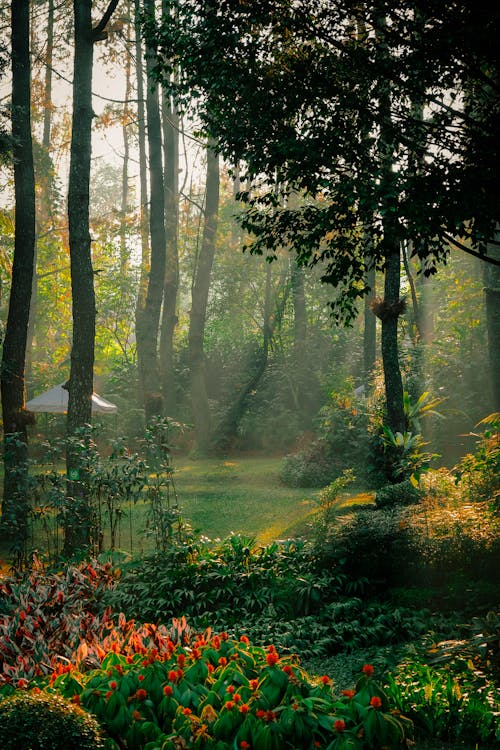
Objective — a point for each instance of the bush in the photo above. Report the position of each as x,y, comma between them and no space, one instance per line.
213,692
404,493
41,721
449,694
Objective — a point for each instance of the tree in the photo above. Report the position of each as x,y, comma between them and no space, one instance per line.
199,299
293,91
80,386
15,418
148,317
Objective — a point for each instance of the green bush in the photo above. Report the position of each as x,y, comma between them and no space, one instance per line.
404,493
453,699
215,693
478,474
41,721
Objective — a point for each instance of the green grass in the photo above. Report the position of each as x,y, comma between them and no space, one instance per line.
217,497
241,495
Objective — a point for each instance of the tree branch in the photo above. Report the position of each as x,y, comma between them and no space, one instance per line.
97,31
474,253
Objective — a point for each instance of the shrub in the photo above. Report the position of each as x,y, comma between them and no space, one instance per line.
44,616
404,493
478,474
41,721
454,699
212,691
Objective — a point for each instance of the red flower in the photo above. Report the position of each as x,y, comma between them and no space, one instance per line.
168,690
230,689
172,676
375,702
287,669
76,699
349,693
22,615
108,695
272,658
223,661
181,660
224,636
254,684
244,640
187,711
216,642
325,679
368,670
229,705
22,683
339,725
236,697
140,677
210,668
141,694
196,653
130,659
245,745
270,716
113,685
244,708
136,715
260,713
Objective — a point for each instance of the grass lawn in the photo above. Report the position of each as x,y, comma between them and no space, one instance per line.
243,494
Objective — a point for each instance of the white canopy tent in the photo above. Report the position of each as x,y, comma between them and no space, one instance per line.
55,401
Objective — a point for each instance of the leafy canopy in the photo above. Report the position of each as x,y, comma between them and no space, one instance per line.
297,92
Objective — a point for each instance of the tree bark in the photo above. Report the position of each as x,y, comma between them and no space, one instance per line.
390,348
299,337
143,167
14,506
80,385
171,176
492,299
148,317
199,301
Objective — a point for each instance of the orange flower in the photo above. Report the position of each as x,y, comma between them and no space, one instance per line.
339,725
254,684
236,697
272,658
325,679
181,660
230,689
168,690
349,693
244,640
375,702
244,708
76,699
187,711
229,705
223,661
141,694
287,669
172,676
136,715
368,670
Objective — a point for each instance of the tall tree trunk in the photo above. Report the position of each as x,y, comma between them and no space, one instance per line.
143,167
391,310
44,210
301,366
14,506
171,176
124,255
492,294
80,386
199,300
148,317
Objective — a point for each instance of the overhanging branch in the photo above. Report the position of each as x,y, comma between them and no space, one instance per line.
469,251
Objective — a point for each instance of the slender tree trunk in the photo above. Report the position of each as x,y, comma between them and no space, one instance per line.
199,301
301,365
390,347
492,295
44,210
169,313
148,317
14,506
80,386
124,255
143,167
